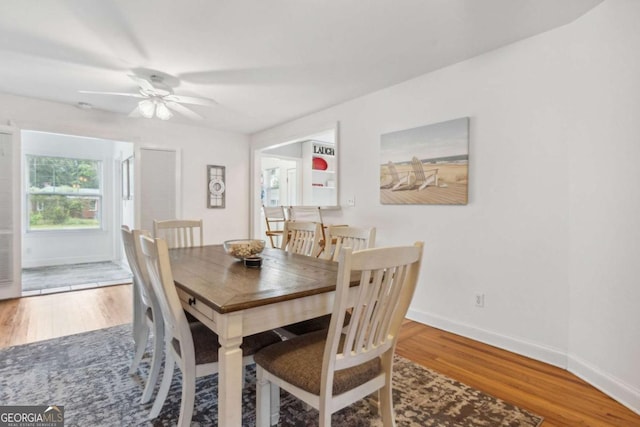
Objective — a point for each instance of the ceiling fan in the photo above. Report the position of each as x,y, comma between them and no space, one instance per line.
157,98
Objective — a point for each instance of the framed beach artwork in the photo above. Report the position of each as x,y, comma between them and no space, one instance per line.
426,165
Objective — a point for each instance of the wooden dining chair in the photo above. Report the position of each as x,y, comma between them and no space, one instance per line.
301,237
330,370
344,236
192,346
309,214
274,217
179,233
149,316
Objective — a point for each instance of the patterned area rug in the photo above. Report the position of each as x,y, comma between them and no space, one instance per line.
87,374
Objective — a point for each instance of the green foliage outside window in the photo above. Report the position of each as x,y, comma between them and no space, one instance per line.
63,193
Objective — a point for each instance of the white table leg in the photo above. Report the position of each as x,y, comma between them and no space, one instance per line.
231,370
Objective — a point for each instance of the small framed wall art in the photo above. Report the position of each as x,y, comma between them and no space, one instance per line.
216,186
127,179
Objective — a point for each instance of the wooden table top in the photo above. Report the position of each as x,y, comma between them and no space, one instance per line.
223,283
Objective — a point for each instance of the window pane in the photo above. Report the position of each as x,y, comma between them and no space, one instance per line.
63,193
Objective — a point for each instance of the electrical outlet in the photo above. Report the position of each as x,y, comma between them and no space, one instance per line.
351,201
479,300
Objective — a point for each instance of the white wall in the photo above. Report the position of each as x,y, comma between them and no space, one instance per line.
550,232
603,82
198,147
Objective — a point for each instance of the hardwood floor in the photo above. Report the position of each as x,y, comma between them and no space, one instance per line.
40,317
560,397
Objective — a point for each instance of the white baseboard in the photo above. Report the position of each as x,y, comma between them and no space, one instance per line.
611,386
535,351
624,393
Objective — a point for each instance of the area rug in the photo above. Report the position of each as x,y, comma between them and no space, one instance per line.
87,374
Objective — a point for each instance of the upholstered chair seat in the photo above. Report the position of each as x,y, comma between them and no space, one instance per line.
205,343
298,361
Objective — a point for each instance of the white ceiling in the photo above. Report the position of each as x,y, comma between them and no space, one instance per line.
265,61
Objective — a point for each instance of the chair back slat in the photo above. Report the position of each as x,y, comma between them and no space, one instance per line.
387,281
302,238
133,252
156,256
179,233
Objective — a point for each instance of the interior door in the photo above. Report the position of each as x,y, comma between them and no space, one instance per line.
10,254
157,193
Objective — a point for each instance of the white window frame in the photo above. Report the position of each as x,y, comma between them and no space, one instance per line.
99,196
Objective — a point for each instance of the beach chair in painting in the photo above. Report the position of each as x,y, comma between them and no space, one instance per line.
397,181
423,177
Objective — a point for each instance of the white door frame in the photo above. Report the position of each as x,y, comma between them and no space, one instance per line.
14,288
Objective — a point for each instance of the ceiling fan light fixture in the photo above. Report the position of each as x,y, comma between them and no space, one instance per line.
163,112
147,108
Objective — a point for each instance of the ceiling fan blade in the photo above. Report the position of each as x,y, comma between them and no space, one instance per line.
191,100
135,113
143,83
95,92
183,110
109,22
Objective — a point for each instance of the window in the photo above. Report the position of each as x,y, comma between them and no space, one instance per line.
64,193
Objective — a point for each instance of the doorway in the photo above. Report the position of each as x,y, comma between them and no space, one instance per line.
312,182
71,212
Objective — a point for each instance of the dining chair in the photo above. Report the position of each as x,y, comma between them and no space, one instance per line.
309,214
301,237
305,213
331,369
355,238
275,217
191,346
179,233
147,314
341,236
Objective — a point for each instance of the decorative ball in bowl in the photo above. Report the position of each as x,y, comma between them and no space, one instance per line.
244,248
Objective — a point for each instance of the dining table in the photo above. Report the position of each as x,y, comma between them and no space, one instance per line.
235,301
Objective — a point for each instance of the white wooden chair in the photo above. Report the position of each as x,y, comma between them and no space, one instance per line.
302,237
329,371
179,233
274,217
192,346
309,214
423,177
345,236
148,316
397,181
342,236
